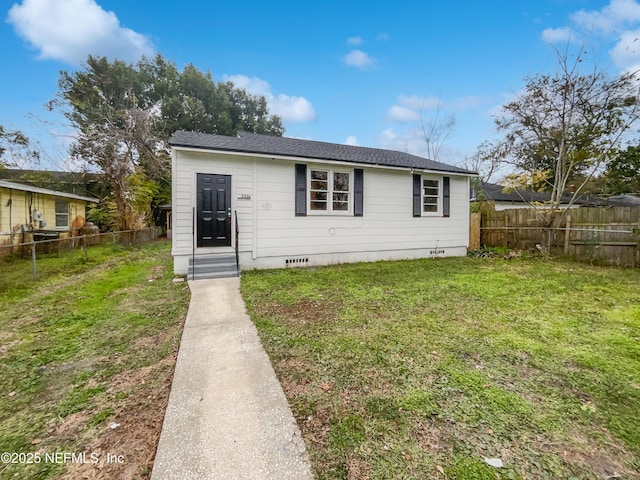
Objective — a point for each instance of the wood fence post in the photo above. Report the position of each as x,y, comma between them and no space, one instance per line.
506,229
567,234
33,258
474,232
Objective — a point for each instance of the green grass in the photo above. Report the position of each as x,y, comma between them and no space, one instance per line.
16,277
421,369
72,337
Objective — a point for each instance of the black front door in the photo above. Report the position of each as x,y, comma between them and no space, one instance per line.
214,210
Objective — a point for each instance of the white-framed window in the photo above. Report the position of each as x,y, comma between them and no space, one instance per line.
330,191
431,196
62,214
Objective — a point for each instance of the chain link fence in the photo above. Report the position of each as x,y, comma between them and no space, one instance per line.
43,248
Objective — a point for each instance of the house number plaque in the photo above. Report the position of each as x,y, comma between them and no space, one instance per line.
244,196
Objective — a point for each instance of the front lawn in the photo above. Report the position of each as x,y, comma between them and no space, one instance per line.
424,369
87,354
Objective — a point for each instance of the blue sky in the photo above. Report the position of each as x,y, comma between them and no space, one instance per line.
345,71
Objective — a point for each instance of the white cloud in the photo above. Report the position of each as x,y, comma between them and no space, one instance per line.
355,41
359,59
553,35
619,21
382,37
419,103
617,15
409,108
626,53
400,113
70,30
408,141
412,141
352,140
289,108
253,85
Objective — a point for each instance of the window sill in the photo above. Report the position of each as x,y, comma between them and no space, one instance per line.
329,214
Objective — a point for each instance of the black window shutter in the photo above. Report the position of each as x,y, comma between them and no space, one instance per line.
301,190
446,197
417,195
358,192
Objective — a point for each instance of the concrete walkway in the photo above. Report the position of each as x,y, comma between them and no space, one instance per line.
227,416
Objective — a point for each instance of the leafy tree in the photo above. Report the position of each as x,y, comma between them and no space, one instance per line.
535,181
623,172
115,127
15,148
125,113
568,125
192,100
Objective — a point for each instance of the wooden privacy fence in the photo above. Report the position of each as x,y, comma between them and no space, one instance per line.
608,235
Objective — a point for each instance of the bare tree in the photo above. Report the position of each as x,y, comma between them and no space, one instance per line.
436,130
486,161
569,125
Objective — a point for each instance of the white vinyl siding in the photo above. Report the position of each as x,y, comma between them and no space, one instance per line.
184,195
388,224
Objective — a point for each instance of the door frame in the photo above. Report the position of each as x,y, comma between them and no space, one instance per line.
196,232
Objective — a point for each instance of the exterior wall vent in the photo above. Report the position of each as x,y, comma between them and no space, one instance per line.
296,262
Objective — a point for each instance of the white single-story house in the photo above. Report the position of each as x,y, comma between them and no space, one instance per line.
287,202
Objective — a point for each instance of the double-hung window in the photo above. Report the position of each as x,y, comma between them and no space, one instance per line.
431,195
330,191
62,214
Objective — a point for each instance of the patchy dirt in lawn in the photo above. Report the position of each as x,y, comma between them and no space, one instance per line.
357,469
428,436
130,436
307,310
583,453
293,375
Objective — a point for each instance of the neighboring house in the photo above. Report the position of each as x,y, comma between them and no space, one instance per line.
503,200
302,203
28,213
496,195
79,183
622,200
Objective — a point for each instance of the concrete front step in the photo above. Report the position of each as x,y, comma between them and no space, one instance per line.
211,275
212,259
212,266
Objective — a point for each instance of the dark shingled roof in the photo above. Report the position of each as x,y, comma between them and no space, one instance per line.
293,147
496,193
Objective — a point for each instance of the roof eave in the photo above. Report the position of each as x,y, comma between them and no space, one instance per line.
45,191
318,158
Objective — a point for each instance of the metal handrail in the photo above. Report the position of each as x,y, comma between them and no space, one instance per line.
193,243
235,212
